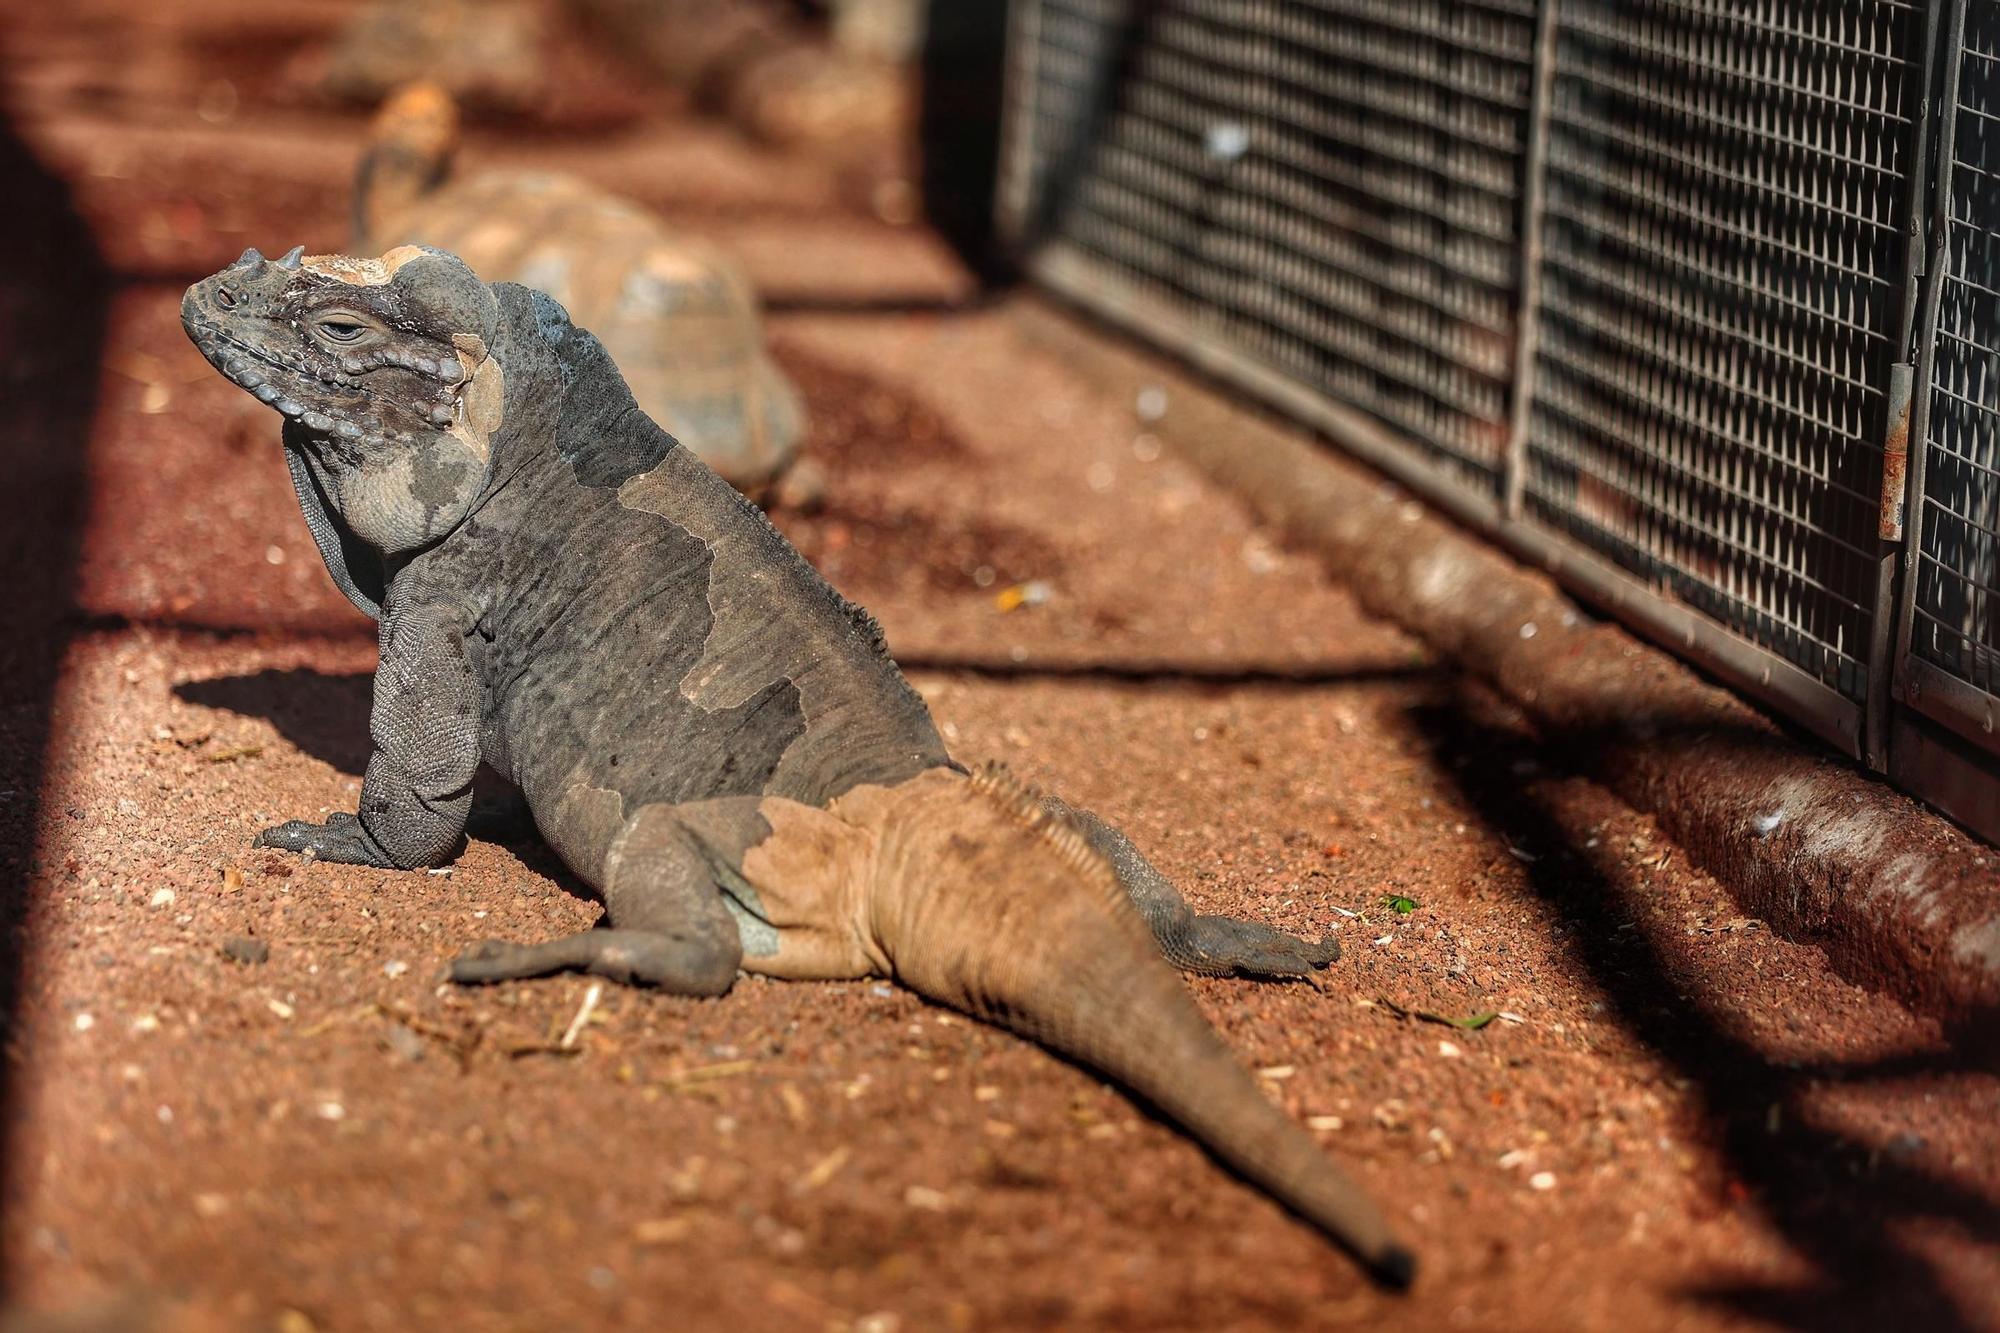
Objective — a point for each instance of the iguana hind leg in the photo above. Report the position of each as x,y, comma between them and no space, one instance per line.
1208,945
632,957
669,927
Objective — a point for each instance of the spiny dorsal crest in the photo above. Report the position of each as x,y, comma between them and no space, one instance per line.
1022,804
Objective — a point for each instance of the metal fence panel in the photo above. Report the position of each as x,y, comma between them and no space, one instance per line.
1331,188
1629,284
1955,596
1721,286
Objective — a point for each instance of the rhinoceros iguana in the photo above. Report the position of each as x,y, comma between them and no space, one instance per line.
704,730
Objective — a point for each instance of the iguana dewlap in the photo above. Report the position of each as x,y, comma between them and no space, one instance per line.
703,729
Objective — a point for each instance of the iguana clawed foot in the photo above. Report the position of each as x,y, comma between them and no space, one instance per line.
341,838
683,965
1227,946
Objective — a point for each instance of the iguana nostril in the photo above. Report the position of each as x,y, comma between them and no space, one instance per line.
225,298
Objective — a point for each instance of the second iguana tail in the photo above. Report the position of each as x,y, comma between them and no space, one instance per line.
985,901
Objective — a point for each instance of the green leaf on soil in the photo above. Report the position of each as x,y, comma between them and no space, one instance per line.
1399,904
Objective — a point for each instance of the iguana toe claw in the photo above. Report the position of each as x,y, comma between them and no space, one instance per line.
489,961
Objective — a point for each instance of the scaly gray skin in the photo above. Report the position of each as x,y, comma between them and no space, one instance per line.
703,729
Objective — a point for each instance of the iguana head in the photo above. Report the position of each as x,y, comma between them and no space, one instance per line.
382,369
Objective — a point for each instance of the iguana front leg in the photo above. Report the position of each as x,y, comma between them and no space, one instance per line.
1206,945
425,724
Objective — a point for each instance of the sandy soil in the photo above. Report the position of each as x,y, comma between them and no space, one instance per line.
1679,1121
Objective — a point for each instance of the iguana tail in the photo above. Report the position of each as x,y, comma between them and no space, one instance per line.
410,146
986,902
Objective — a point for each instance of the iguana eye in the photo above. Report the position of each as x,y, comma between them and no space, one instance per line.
345,328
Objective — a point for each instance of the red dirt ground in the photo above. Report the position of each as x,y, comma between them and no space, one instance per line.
1683,1122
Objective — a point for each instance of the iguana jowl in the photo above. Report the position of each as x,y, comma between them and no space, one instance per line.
704,730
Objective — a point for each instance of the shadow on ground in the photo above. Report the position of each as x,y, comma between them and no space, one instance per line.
1843,1205
325,714
54,295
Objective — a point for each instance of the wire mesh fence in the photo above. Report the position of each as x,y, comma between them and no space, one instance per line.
1653,281
1955,602
1331,188
1722,280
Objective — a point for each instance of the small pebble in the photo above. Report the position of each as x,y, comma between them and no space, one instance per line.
395,967
1905,1145
1449,1050
663,1231
160,898
84,1022
403,1043
1542,1180
245,949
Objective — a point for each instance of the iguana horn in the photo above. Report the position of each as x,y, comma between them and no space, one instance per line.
292,257
250,258
1035,933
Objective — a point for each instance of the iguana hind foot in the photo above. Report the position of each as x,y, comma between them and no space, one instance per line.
682,965
1223,946
1216,946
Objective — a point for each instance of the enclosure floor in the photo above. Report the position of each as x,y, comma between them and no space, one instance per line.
1680,1121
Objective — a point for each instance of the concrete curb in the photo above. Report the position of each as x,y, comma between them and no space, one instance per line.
1899,899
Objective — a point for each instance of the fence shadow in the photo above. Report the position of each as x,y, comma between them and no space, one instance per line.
55,293
1839,1203
325,714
